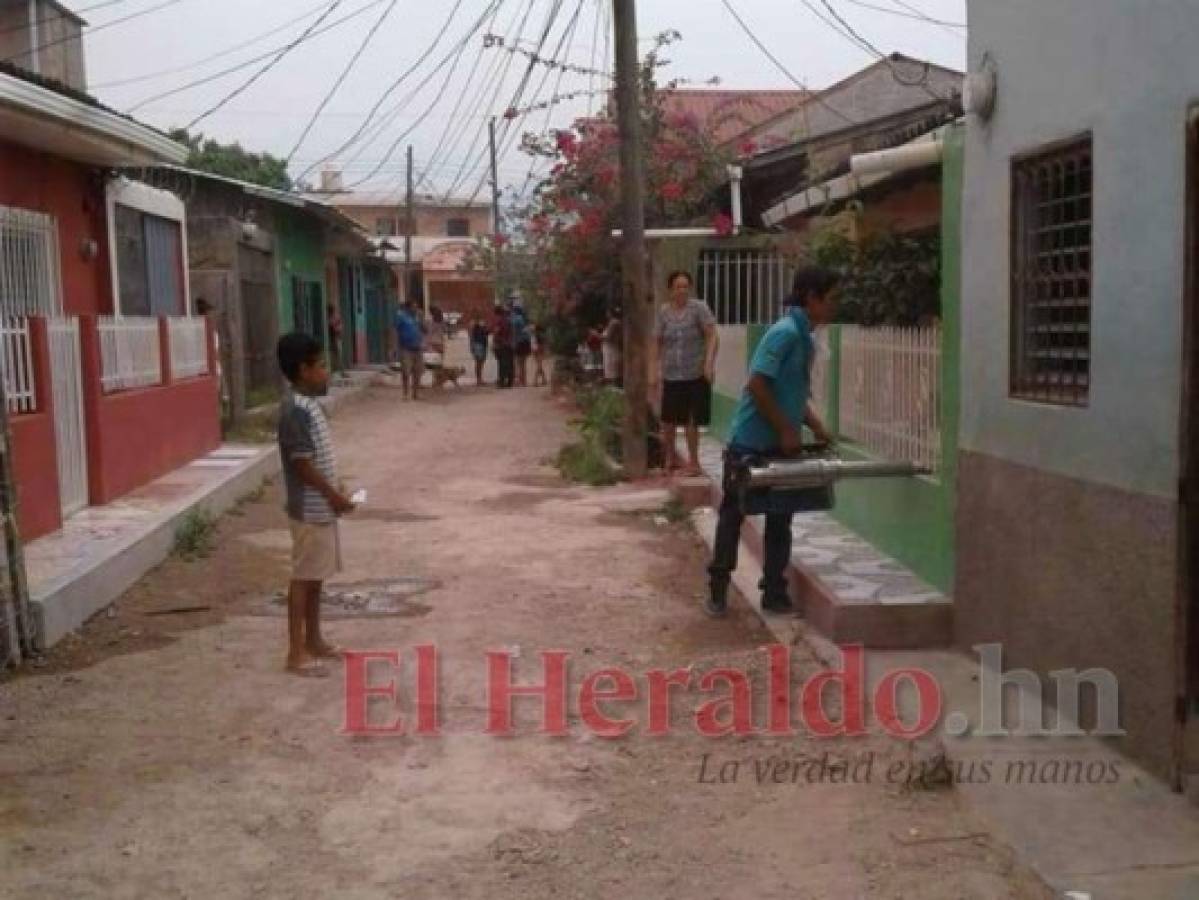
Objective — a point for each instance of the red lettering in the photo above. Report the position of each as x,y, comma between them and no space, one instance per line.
886,703
427,723
660,683
779,706
358,692
500,692
738,705
623,689
850,679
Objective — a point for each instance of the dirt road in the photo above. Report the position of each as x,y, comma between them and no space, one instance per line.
170,756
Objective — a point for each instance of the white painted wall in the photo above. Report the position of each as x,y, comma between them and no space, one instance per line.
731,363
1128,73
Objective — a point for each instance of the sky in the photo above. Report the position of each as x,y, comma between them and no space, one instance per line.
443,112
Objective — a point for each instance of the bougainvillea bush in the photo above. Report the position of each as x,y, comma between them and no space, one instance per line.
570,268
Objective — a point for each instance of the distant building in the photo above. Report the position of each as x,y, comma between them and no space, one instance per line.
443,233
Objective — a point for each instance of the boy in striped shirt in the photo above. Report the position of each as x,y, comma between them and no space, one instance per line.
314,500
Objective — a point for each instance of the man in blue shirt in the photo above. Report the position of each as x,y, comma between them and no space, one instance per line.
769,423
411,338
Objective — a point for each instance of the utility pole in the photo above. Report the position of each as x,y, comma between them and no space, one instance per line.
635,313
409,227
495,212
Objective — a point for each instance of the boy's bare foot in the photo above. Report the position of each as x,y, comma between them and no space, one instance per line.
306,667
325,650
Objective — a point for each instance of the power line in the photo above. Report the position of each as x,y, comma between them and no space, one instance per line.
345,73
753,37
481,129
236,92
461,48
918,17
93,30
150,76
921,14
445,27
199,82
856,38
555,10
60,15
493,66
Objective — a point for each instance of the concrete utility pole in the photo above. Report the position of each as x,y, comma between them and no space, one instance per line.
495,210
635,312
409,227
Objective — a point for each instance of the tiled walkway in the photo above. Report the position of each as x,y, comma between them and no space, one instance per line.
855,571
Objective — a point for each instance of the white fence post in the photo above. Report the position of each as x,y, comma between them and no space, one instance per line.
189,347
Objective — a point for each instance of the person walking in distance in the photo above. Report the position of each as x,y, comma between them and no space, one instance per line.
502,341
480,337
522,339
769,422
683,367
315,499
411,337
539,351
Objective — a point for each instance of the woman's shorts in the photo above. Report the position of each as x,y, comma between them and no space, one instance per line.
687,403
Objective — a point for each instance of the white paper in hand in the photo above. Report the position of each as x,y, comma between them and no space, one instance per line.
358,497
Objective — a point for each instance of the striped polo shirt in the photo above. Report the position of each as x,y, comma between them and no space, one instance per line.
304,434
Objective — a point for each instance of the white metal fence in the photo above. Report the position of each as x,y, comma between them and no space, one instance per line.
744,287
189,347
130,352
69,431
16,362
822,371
29,275
890,392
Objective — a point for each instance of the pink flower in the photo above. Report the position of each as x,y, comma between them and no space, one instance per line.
672,190
568,145
723,225
748,147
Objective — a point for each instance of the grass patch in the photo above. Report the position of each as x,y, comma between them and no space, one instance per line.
675,512
585,463
194,535
262,396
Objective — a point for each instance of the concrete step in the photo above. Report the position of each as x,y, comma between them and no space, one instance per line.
848,591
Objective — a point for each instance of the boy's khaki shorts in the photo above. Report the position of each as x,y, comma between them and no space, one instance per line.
315,551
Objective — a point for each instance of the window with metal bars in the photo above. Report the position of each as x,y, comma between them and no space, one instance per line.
29,279
1052,208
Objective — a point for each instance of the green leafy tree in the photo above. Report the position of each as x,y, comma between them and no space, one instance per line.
234,161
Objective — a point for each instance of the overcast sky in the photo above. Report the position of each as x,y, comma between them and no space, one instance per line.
271,114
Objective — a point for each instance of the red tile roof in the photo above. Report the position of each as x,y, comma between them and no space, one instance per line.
731,113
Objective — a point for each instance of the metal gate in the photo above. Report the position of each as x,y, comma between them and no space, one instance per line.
71,440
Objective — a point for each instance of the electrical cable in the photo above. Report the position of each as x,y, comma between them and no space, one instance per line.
238,91
921,14
93,30
509,118
461,48
216,76
345,73
391,89
918,17
856,38
481,129
150,76
814,94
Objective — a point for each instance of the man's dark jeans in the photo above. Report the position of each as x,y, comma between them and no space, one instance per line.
505,357
728,536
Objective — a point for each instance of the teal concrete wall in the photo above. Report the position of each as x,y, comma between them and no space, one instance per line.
300,252
912,519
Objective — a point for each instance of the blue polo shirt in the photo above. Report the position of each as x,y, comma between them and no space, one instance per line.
409,331
785,357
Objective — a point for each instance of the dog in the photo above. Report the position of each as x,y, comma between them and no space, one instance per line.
444,375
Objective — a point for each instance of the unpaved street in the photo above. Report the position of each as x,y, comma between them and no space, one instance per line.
170,756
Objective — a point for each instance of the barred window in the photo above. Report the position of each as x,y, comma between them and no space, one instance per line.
29,275
1051,275
743,287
